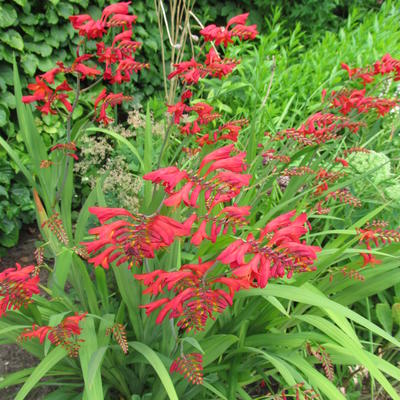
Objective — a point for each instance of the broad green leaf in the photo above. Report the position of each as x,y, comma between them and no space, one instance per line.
306,296
8,15
147,158
62,268
193,342
315,379
155,361
214,390
48,362
13,39
353,348
279,364
131,294
95,364
215,346
91,361
384,315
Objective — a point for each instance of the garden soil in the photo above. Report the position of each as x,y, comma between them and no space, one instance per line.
12,357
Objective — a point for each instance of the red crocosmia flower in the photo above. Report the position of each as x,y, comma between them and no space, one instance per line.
125,69
233,164
319,128
217,34
125,35
230,216
78,20
86,71
197,295
229,131
376,233
342,161
218,154
269,155
386,65
368,258
177,110
190,366
43,93
65,334
88,27
222,187
169,177
108,100
357,100
204,112
217,67
122,20
77,66
344,196
277,223
50,75
68,148
189,71
180,108
92,29
200,234
350,71
225,34
131,239
17,285
323,187
121,53
277,251
116,8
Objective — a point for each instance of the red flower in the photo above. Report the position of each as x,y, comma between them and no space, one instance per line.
219,154
357,100
122,20
68,148
196,299
17,285
224,34
44,93
319,128
131,239
169,177
108,100
368,258
190,366
120,52
189,71
65,334
277,250
342,161
92,29
386,65
230,216
88,27
116,8
223,187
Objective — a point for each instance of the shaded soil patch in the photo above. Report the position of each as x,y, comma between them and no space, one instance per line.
12,357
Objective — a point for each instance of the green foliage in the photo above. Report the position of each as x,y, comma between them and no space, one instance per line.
264,336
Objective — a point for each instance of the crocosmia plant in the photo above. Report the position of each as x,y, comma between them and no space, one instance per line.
236,275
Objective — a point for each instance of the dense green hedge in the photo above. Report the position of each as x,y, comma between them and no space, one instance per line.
39,34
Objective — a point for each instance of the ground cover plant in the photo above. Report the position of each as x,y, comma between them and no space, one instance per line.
245,268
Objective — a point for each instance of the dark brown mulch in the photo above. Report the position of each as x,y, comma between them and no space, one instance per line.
12,357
